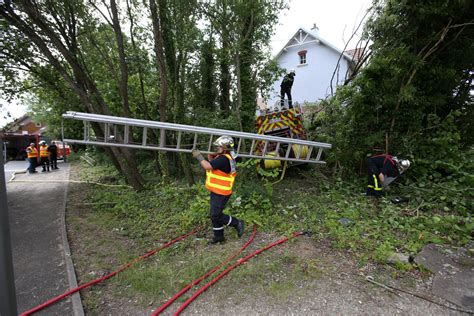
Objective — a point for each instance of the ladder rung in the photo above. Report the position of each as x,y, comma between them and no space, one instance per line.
265,148
145,131
309,153
126,132
178,142
195,140
210,144
251,146
320,151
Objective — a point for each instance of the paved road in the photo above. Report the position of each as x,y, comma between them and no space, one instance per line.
36,210
12,166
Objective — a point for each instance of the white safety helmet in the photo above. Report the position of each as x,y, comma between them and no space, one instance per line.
402,164
224,141
42,142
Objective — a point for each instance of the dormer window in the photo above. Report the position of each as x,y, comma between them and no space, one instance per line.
302,55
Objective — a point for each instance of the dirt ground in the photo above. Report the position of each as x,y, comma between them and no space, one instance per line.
327,281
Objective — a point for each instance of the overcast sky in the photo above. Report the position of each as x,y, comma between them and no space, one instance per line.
336,20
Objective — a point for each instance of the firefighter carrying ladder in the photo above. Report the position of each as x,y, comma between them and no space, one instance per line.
162,136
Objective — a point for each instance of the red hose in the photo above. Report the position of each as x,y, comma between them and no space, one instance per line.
223,273
125,266
193,283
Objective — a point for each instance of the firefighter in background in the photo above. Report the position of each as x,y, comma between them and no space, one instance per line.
285,88
44,156
381,171
220,177
53,155
32,155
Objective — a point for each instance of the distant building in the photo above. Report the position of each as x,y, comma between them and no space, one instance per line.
315,61
18,134
24,125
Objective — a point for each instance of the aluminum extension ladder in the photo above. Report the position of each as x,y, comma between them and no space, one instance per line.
122,132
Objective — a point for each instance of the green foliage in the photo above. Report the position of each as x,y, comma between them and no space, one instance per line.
413,90
332,210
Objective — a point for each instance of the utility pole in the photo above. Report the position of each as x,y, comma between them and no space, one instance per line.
7,280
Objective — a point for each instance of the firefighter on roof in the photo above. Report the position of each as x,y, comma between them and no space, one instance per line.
220,177
285,88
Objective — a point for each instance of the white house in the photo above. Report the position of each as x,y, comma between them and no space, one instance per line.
314,60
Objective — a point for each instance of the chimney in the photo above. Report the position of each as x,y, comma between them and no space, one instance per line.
315,29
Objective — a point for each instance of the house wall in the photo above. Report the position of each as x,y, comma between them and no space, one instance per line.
31,128
312,80
24,125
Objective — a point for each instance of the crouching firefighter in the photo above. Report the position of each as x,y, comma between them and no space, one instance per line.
220,177
381,171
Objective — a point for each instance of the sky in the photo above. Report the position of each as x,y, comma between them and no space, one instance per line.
336,20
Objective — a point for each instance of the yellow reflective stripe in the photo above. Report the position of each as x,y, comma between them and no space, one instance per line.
376,188
230,178
218,186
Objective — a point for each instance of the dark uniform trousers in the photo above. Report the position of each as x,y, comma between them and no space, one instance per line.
374,187
218,218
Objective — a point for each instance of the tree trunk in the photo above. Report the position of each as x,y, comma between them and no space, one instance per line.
239,92
160,62
123,83
83,86
146,115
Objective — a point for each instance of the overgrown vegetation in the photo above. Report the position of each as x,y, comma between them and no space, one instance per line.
334,211
304,201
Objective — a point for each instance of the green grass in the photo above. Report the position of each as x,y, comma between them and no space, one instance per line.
333,210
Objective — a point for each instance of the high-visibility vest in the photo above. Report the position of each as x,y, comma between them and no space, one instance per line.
44,151
220,182
31,152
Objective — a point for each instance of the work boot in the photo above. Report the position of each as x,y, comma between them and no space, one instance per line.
216,239
240,228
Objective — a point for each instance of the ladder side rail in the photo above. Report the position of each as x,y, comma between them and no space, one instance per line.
189,128
181,150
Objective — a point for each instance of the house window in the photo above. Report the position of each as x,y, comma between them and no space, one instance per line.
302,55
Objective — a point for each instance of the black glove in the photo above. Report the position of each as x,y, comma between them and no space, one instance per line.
197,154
